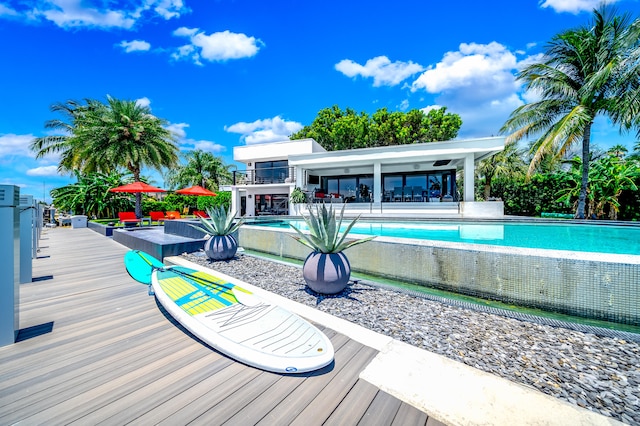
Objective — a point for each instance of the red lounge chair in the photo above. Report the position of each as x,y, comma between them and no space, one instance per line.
127,218
200,213
157,217
173,215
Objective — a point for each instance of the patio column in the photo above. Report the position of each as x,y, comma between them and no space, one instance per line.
469,178
299,176
377,183
235,200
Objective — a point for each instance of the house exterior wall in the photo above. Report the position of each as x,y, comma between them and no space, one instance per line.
307,158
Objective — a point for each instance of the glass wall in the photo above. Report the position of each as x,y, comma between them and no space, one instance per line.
352,189
272,171
272,204
421,186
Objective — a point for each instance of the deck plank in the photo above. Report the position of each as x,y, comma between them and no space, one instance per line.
101,351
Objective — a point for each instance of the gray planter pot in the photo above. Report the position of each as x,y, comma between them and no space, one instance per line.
326,273
221,247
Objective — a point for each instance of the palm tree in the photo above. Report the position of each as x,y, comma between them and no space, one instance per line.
70,157
507,163
202,168
585,72
112,136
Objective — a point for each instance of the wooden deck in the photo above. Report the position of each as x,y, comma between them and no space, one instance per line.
95,348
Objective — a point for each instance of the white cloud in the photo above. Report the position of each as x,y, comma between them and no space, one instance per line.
135,46
169,9
178,129
404,105
202,145
220,46
477,82
15,145
71,13
267,130
76,14
143,102
573,6
7,11
383,71
43,171
478,66
187,144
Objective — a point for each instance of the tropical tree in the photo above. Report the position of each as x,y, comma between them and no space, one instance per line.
70,152
336,129
507,163
107,137
202,168
586,72
90,195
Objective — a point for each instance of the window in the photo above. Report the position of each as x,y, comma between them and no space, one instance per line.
272,171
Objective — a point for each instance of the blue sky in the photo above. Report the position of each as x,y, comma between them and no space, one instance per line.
227,73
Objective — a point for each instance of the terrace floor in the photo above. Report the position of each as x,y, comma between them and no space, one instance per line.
94,347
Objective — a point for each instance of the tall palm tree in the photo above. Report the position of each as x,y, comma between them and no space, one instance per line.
72,112
586,72
202,168
107,137
506,163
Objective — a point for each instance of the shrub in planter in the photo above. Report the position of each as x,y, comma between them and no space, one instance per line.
221,245
326,270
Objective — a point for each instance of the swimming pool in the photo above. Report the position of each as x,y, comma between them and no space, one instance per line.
590,271
592,238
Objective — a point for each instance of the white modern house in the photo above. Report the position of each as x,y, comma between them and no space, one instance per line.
409,180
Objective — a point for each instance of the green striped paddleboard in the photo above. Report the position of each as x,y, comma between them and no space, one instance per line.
232,319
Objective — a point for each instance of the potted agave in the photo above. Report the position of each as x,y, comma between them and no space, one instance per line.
221,245
326,270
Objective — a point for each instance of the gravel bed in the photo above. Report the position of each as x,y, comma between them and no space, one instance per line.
601,374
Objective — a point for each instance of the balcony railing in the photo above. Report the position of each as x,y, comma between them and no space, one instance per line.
264,176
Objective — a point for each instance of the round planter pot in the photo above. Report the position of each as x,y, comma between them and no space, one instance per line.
221,247
326,273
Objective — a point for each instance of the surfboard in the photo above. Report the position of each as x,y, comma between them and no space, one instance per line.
233,320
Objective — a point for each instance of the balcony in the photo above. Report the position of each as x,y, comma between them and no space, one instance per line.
264,176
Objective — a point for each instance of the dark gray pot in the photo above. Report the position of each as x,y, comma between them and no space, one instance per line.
221,247
326,273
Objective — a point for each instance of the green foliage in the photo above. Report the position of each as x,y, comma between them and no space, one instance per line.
106,137
202,168
532,197
90,195
585,72
335,129
223,199
297,196
150,204
324,231
220,222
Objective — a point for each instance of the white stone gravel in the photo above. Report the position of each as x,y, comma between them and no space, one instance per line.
601,374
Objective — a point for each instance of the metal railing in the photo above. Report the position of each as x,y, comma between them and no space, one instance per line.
264,176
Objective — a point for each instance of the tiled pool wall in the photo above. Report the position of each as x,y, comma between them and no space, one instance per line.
590,285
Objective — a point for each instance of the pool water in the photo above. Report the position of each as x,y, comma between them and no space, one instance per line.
594,238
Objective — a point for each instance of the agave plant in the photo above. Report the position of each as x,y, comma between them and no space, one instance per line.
220,222
220,225
324,231
326,269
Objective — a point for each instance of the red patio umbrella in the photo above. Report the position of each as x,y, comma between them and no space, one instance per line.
196,190
137,187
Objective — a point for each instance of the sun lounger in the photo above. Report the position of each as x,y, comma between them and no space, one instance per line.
157,217
128,218
173,215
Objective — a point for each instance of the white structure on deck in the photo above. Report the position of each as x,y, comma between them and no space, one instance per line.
409,180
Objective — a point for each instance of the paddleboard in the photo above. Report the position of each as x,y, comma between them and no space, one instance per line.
232,319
